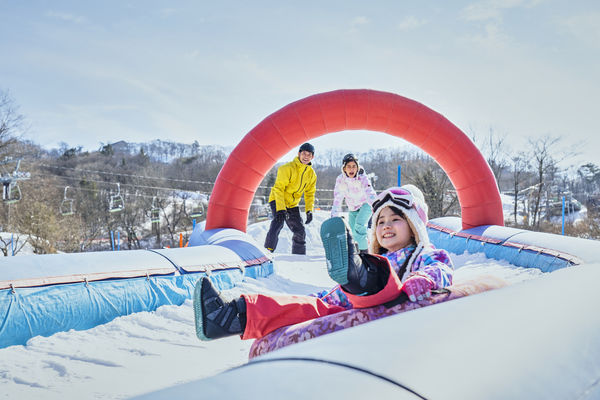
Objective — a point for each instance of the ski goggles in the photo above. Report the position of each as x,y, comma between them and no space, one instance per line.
348,158
398,196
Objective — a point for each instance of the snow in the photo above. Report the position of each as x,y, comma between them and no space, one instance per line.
147,351
508,205
14,242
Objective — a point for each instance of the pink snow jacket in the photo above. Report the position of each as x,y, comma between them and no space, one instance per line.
357,191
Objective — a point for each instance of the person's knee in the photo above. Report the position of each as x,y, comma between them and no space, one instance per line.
360,230
297,228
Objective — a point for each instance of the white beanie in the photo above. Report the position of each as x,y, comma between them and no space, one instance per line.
409,200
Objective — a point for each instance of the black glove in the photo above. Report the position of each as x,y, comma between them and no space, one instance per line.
308,217
281,215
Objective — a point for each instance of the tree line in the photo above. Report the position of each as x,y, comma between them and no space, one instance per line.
151,194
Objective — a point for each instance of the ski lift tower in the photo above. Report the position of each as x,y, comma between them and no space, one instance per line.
11,192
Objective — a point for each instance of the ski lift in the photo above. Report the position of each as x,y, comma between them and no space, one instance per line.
263,209
66,205
11,193
197,211
264,212
154,212
116,202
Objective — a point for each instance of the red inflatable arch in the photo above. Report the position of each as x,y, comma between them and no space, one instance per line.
342,110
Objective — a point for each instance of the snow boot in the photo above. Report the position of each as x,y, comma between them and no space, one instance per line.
357,273
215,316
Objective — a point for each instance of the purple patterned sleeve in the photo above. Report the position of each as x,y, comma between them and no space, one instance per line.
334,297
437,264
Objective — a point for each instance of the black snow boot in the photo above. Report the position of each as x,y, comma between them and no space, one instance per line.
215,316
357,273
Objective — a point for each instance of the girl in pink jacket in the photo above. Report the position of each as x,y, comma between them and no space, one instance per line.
353,185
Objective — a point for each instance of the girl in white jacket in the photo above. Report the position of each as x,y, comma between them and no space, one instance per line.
354,186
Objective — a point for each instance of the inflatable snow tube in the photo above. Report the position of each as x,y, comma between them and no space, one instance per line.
303,331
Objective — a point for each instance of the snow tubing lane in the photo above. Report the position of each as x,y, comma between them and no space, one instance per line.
354,109
331,323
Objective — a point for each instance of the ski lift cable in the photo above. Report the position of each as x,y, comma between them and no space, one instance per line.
150,187
149,177
149,196
129,184
124,184
127,175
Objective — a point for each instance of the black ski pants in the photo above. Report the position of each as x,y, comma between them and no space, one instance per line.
294,221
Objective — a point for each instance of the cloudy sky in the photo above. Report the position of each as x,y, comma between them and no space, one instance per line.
92,72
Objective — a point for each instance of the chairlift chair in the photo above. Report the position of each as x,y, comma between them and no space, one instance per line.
154,212
197,211
11,193
116,202
66,205
264,212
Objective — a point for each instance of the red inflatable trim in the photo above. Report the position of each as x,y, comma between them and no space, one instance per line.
358,109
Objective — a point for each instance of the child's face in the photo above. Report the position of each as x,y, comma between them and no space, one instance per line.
351,169
392,230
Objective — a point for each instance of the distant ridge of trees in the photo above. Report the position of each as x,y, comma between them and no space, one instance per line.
164,186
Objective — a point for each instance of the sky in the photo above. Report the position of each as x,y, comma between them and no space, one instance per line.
147,351
90,73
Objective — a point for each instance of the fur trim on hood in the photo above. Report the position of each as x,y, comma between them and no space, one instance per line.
409,200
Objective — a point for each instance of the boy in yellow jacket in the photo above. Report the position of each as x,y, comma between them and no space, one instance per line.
293,179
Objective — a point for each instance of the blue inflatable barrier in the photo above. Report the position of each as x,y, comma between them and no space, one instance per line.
46,294
544,251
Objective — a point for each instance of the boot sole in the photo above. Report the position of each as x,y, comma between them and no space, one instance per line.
198,314
335,243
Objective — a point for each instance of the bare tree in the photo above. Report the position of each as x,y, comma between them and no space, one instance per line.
545,161
494,149
175,215
589,174
11,122
520,165
435,185
13,245
131,220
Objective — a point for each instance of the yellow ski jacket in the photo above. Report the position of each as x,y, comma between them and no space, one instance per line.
294,179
